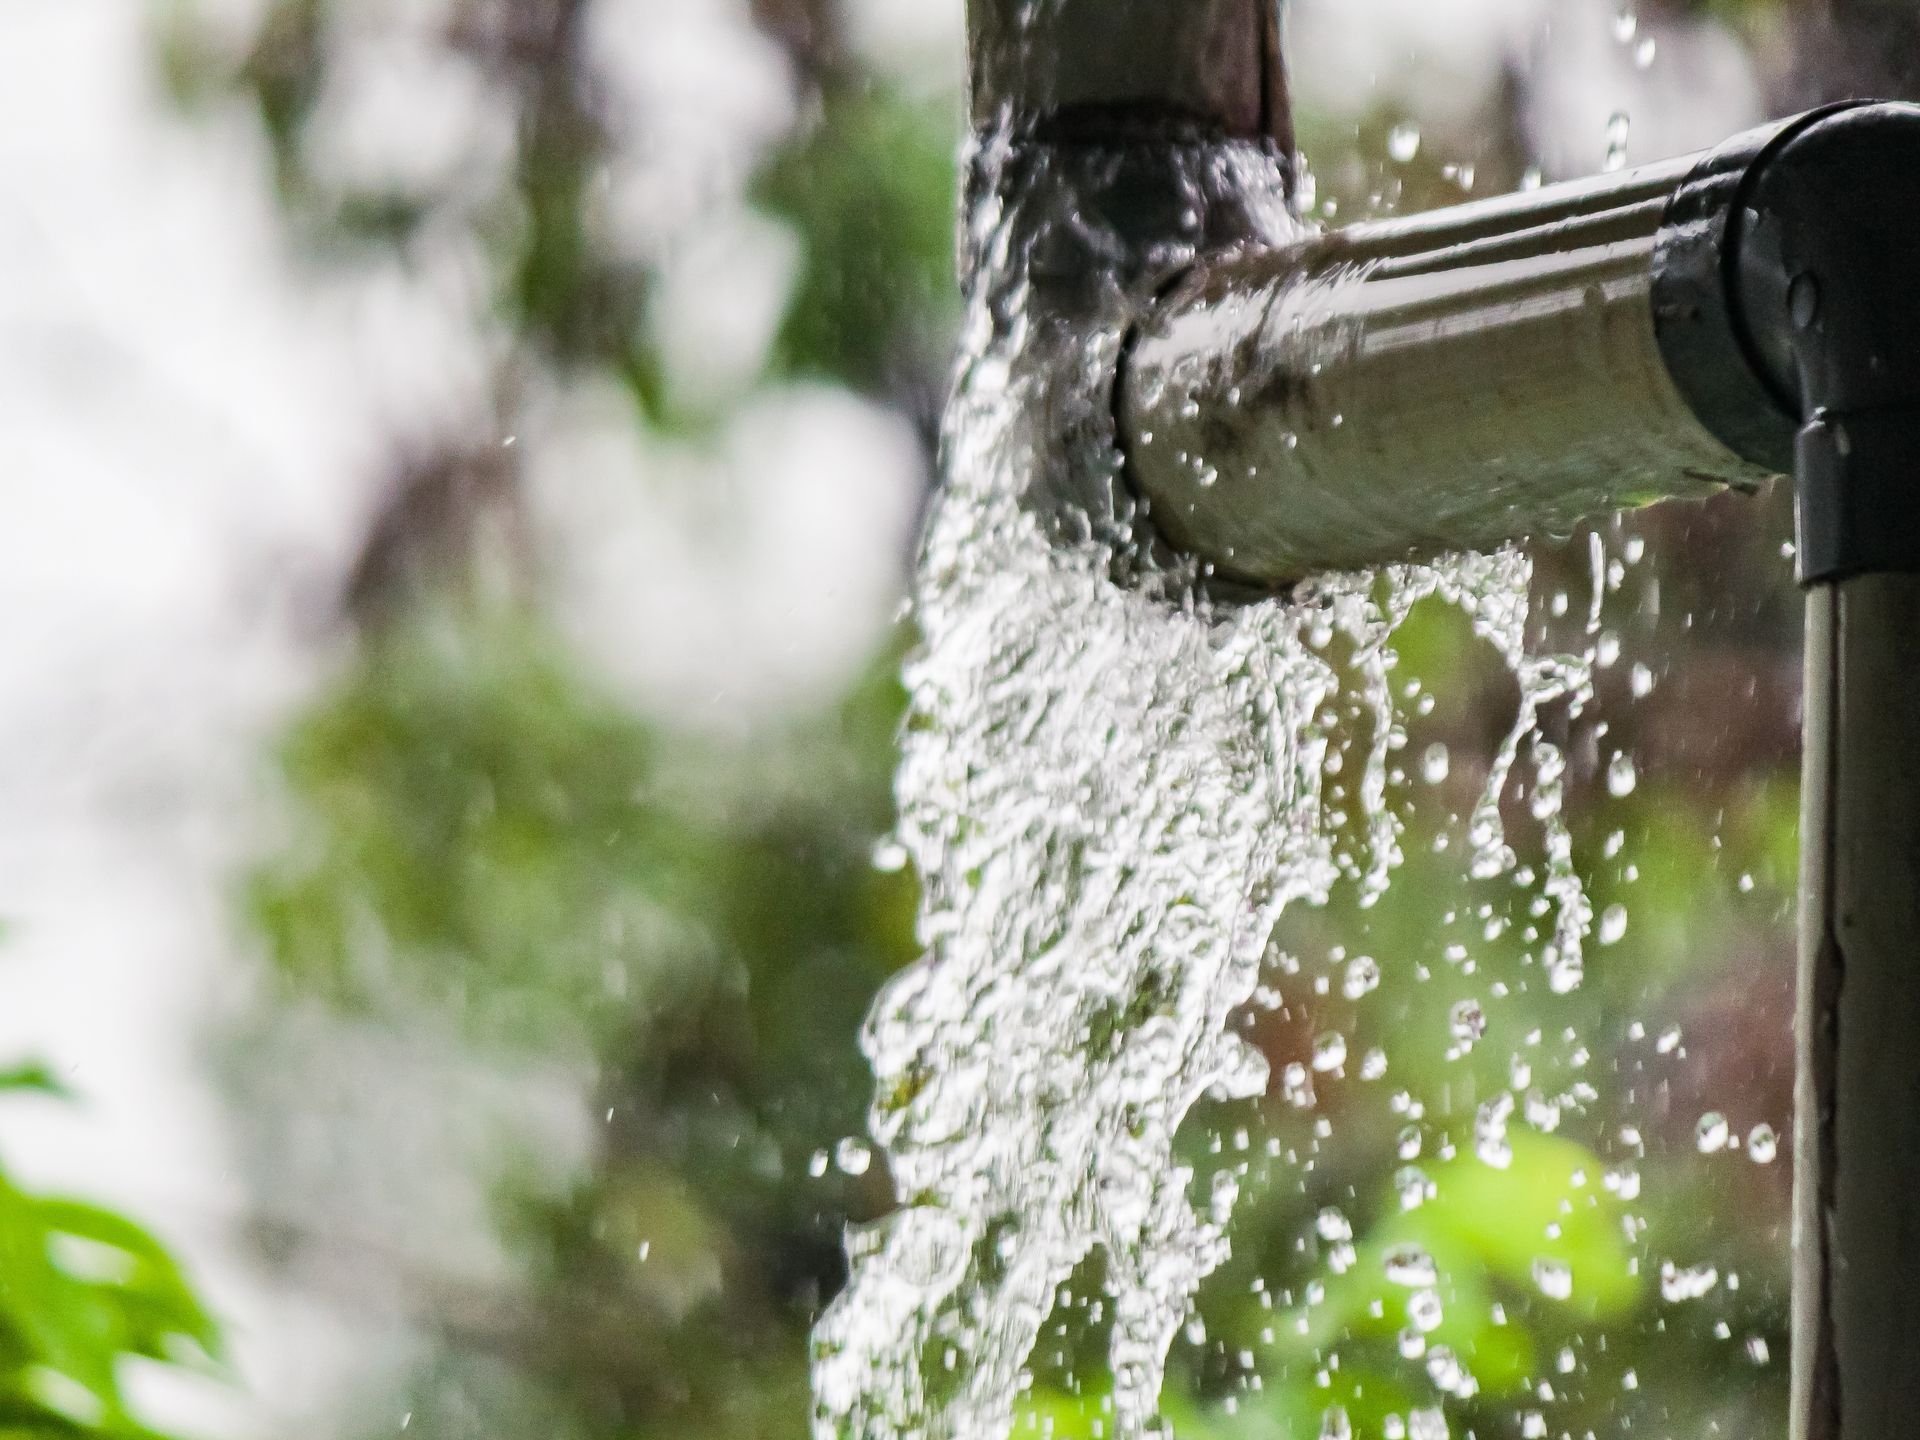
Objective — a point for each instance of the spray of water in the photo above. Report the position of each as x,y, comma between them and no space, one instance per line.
1110,793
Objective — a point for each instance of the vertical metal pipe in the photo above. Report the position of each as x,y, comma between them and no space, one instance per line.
1856,1367
1114,63
1117,142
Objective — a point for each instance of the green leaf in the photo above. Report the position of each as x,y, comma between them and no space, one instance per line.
156,1304
82,1288
34,1077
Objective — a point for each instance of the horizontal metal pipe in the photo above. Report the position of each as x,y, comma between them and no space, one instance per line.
1404,388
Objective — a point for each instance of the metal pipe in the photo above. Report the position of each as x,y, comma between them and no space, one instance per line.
1416,386
1128,65
1459,379
1856,1351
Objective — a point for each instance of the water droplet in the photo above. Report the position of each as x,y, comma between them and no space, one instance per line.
1413,1186
1626,25
1404,142
1428,1424
1644,53
1624,1181
817,1165
1296,1085
1329,1052
1711,1134
1613,925
1468,1021
1412,1267
1621,776
1334,1425
1226,1190
1762,1145
1373,1064
1758,1351
1565,972
1435,764
1619,128
1679,1284
1449,1375
1543,1113
852,1156
1490,1131
1554,1279
1363,977
1425,1311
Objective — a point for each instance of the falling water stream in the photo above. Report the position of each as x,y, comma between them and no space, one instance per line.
1110,799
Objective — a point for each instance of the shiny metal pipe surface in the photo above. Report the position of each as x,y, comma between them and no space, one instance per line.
1127,67
1407,387
1856,1347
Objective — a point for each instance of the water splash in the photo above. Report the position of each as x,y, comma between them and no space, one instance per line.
1110,793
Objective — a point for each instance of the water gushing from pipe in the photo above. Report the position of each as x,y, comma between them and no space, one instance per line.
1110,793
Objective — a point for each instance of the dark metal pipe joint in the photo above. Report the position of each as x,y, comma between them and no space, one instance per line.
1786,300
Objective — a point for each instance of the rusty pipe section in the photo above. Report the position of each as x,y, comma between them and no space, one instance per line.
1443,382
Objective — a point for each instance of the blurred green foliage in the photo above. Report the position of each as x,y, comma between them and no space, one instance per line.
84,1291
871,187
483,811
481,835
534,868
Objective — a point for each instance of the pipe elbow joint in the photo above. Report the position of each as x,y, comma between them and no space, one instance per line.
1787,307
